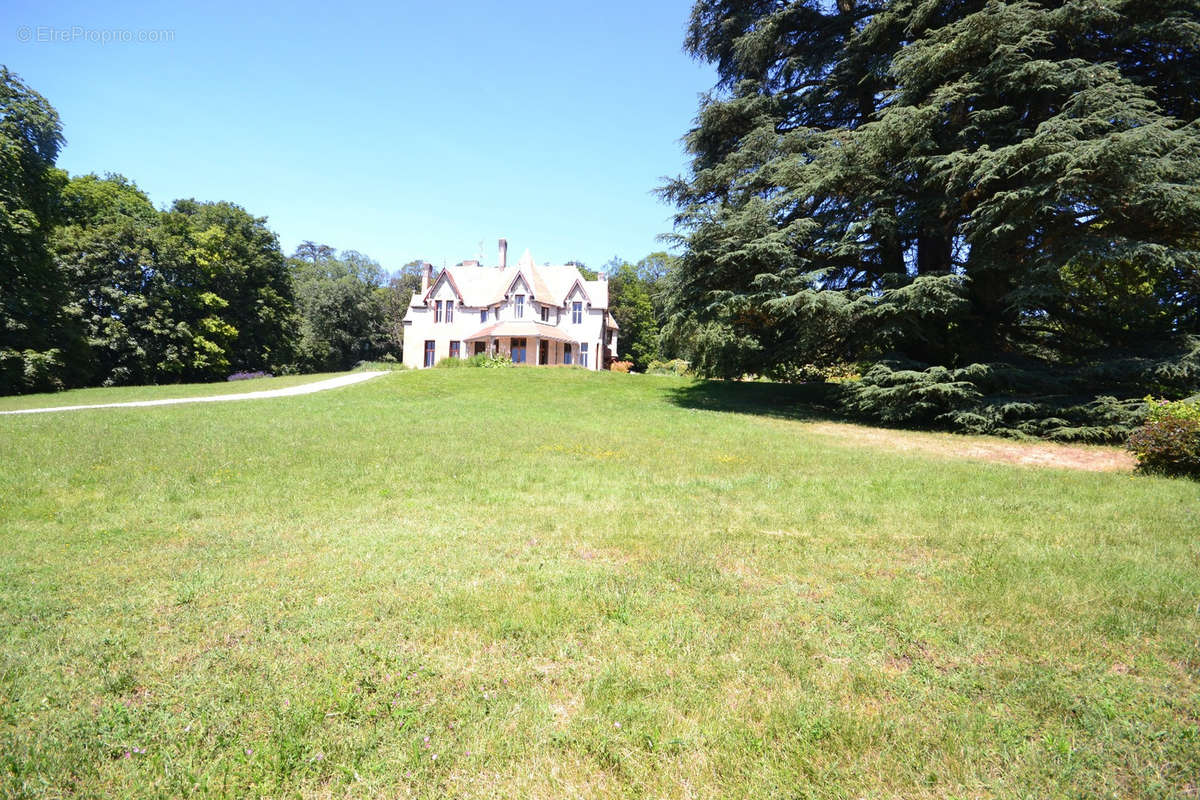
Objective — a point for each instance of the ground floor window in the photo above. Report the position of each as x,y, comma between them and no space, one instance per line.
583,354
518,351
455,349
480,348
566,354
429,350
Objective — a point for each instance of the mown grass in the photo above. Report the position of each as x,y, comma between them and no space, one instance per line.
567,584
126,394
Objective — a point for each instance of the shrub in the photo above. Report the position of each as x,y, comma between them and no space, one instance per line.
815,373
676,366
497,361
1169,442
453,362
909,396
383,365
621,366
248,376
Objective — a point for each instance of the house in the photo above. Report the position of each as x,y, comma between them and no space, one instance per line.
535,314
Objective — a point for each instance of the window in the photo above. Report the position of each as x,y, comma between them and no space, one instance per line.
429,351
483,315
437,313
455,348
449,311
566,354
519,308
518,350
545,314
583,353
480,348
576,313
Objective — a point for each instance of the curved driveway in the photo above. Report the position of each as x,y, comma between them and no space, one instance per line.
304,388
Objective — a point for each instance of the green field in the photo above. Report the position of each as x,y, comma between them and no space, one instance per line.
555,583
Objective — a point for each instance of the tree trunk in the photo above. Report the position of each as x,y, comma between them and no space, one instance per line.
934,253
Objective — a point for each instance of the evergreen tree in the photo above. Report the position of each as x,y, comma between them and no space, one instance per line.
949,181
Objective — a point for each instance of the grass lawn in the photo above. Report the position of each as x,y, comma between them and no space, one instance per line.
553,583
125,394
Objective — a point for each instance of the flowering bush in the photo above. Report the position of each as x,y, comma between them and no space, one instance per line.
248,376
1169,442
621,366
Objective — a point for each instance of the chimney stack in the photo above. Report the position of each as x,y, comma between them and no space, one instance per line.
426,276
503,253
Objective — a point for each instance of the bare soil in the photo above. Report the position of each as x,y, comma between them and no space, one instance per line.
1092,458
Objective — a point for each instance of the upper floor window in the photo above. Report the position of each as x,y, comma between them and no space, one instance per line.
449,311
583,354
519,306
437,311
576,313
483,315
545,314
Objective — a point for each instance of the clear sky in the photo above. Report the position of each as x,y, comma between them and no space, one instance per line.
403,130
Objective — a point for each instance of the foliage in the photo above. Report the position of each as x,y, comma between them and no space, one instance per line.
36,339
385,364
621,366
249,376
999,399
399,292
184,294
343,304
947,183
815,373
674,366
636,303
495,361
484,360
1169,441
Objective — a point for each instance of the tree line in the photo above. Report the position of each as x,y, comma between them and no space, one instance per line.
991,208
97,287
101,288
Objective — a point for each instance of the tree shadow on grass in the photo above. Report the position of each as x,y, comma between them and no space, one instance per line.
800,401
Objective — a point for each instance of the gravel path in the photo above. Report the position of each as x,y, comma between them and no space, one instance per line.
304,388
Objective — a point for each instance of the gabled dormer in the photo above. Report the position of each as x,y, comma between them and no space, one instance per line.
444,278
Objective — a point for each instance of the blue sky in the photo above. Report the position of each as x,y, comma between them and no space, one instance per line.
403,130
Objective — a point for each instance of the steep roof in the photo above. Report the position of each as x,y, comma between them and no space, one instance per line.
479,287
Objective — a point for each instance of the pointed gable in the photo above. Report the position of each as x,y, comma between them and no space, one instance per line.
577,289
518,280
444,277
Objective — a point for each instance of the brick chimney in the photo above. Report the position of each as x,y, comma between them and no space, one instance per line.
426,276
503,253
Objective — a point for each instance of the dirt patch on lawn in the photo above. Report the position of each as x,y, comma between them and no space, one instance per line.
1026,454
